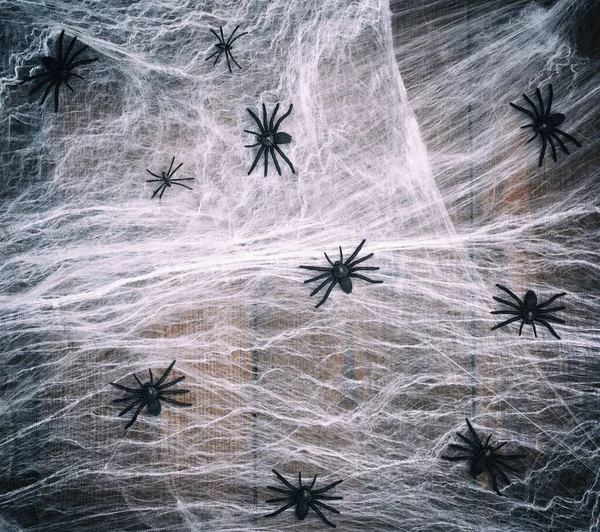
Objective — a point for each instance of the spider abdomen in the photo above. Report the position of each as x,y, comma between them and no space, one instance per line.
556,119
302,509
282,138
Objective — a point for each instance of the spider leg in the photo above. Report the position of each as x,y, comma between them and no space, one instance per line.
507,303
560,142
260,126
282,118
500,472
135,416
534,331
494,449
222,36
326,295
266,164
281,499
318,289
523,110
566,135
82,62
316,268
506,323
544,145
69,86
320,514
184,186
528,125
460,447
252,145
228,63
326,506
172,392
264,108
240,35
474,444
547,325
59,44
313,482
539,97
278,490
262,148
124,388
513,312
171,174
553,147
161,194
367,257
217,36
38,87
521,304
169,384
328,259
318,277
154,180
327,488
329,498
537,114
41,75
546,303
69,64
456,458
365,268
494,481
278,149
163,186
132,405
232,58
56,92
292,487
253,132
358,276
164,375
138,380
182,179
47,91
170,167
272,151
300,479
159,177
533,138
552,318
550,96
355,253
219,51
218,57
172,401
476,438
282,509
273,116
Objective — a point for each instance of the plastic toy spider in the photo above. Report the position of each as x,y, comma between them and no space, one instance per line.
269,138
167,180
546,124
304,497
484,457
59,70
529,312
341,272
223,46
150,393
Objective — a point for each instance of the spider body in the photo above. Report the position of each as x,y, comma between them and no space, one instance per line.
546,124
529,311
166,180
225,47
269,138
304,498
341,272
59,70
150,394
484,457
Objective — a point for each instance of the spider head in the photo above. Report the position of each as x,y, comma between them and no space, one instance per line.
340,270
166,178
304,498
267,139
222,46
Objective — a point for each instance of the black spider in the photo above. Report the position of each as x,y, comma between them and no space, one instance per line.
59,69
304,497
341,272
530,311
166,180
546,124
268,139
484,457
150,393
223,46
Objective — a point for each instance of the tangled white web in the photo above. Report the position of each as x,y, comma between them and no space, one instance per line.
405,139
